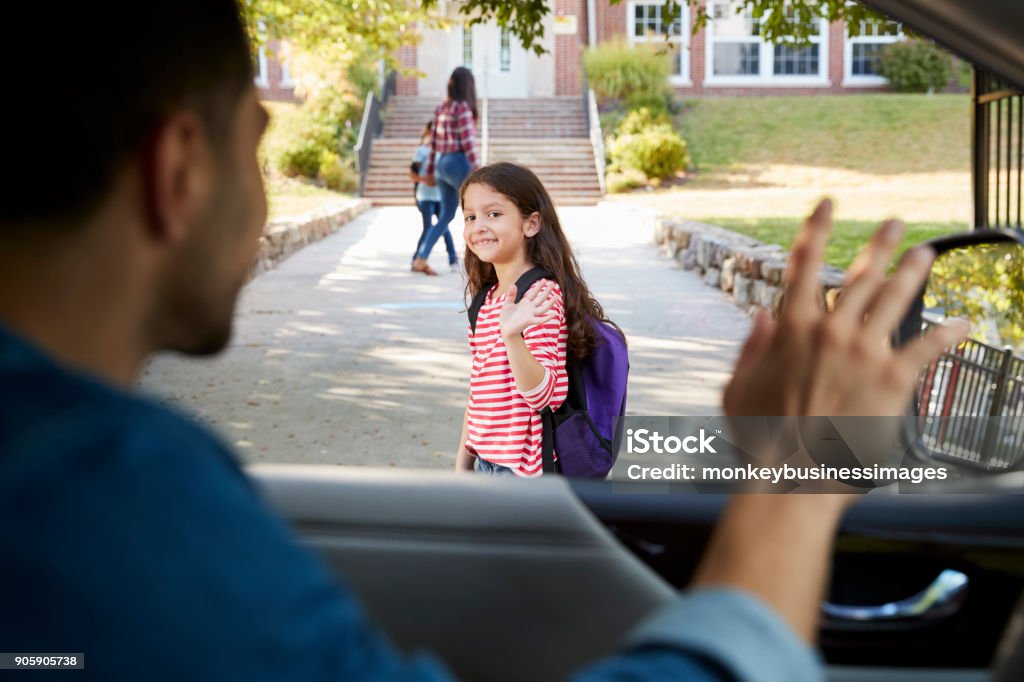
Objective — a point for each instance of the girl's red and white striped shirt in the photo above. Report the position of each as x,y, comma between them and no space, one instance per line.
504,424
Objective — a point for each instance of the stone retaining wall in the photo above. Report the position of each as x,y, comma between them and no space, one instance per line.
282,238
739,265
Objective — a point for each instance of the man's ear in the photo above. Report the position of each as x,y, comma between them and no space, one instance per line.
532,224
178,176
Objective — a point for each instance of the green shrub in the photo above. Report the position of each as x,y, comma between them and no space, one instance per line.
303,146
964,74
915,66
302,138
658,152
640,120
629,178
644,100
618,70
337,174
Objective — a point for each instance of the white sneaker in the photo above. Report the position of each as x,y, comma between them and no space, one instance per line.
454,267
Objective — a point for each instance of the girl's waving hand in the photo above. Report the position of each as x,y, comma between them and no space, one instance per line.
533,309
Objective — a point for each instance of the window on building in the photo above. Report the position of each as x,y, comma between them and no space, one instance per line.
789,60
646,25
506,50
467,46
736,43
260,69
737,53
864,47
283,52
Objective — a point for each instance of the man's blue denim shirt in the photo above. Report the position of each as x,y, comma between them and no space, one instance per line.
131,534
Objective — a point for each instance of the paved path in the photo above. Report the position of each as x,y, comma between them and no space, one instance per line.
341,355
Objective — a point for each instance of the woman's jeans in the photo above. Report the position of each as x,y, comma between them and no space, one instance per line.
429,209
450,171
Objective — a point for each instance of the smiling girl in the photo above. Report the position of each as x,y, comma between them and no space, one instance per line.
519,348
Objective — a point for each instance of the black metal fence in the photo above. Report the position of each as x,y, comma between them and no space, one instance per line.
997,123
971,405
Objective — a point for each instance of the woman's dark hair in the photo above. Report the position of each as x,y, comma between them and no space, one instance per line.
462,88
548,249
155,58
427,129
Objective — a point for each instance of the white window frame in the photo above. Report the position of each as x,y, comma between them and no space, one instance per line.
261,80
683,79
283,54
766,77
851,80
467,30
286,75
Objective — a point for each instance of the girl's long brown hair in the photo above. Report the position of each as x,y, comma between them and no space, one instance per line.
548,249
462,88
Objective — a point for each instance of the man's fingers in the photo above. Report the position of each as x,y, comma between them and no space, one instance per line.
757,342
922,351
895,296
801,298
867,272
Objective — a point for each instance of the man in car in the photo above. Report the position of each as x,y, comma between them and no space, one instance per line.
130,223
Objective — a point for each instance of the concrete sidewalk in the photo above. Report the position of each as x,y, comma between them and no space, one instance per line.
341,355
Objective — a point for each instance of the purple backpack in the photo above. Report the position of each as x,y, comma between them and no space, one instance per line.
586,431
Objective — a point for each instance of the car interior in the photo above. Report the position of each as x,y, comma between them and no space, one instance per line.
925,587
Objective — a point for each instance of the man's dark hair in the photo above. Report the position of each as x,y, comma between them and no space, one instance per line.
93,81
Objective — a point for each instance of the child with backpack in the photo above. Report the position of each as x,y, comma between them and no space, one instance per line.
548,383
428,200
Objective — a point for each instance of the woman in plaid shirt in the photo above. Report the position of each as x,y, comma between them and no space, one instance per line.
454,139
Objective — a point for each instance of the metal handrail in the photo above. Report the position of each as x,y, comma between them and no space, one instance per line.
596,136
368,129
485,133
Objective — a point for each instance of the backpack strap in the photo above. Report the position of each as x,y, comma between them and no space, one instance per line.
528,279
523,284
474,307
547,442
547,417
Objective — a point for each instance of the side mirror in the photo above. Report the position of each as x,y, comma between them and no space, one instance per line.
968,409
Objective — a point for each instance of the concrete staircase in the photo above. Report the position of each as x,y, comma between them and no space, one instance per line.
548,135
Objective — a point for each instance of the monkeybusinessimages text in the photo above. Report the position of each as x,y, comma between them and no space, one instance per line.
645,441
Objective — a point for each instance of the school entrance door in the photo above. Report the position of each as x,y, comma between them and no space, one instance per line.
498,60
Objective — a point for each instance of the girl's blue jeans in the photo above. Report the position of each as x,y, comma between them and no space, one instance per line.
482,466
428,210
450,171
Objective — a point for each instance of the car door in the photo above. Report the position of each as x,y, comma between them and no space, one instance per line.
557,571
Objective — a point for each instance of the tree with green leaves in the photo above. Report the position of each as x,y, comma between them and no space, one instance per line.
779,20
984,285
380,27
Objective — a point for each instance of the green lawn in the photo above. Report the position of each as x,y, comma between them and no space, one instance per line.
848,236
882,133
756,161
289,197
